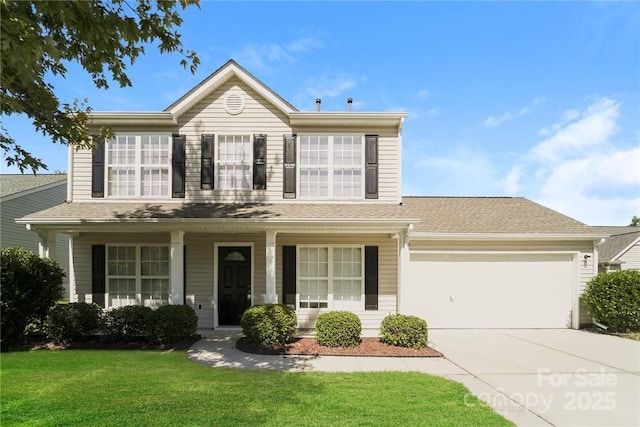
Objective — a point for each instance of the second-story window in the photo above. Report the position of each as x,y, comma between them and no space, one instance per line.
331,166
138,165
234,160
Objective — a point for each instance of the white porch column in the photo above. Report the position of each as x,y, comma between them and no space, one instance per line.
271,267
47,244
71,273
176,256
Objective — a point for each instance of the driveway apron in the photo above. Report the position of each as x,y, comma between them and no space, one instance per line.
542,377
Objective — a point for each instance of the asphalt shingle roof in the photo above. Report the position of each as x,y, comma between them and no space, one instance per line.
620,238
428,214
17,183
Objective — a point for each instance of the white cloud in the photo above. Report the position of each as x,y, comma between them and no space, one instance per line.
423,94
493,121
594,127
329,86
580,170
260,56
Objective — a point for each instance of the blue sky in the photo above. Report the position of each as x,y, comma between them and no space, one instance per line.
540,100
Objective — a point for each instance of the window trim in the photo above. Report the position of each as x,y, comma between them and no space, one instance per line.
137,166
330,165
217,164
331,277
138,272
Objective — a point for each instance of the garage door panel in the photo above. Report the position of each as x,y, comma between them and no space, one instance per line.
490,290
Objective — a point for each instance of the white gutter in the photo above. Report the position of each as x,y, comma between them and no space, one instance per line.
504,236
124,118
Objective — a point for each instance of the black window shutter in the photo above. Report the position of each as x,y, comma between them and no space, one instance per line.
97,169
289,275
178,167
289,187
370,277
260,162
98,279
206,162
371,166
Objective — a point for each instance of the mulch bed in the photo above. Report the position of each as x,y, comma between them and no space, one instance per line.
309,346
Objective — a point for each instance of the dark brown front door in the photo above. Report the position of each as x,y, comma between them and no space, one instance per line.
234,283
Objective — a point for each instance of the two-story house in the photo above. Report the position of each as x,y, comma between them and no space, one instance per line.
231,197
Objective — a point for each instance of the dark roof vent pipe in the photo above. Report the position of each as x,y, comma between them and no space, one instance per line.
318,102
349,103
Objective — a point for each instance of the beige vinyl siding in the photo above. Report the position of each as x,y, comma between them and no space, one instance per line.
81,175
387,279
631,259
258,117
12,234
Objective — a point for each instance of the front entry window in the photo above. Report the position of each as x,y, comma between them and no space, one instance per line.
331,277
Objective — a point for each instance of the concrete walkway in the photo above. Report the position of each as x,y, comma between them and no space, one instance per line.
532,377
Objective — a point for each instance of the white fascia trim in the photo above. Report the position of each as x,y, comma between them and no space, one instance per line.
330,118
129,118
503,236
622,252
501,252
210,85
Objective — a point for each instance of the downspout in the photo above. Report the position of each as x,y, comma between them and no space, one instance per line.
403,261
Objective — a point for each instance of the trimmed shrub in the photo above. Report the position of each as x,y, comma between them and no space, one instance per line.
72,322
29,287
269,324
614,298
404,331
338,329
169,324
126,323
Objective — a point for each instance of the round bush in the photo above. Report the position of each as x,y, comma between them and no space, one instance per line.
126,323
269,324
338,329
29,287
169,324
404,331
72,322
614,298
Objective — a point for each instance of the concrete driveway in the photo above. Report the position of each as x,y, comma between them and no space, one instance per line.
545,377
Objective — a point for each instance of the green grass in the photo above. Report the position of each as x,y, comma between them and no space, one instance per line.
131,388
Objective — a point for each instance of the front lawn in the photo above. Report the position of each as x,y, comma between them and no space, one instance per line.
77,387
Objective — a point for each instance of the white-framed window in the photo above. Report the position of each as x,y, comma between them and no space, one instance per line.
331,277
137,274
331,166
138,166
234,160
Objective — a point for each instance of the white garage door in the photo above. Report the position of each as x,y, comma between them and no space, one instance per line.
490,290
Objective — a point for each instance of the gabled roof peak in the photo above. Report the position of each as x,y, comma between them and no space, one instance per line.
230,69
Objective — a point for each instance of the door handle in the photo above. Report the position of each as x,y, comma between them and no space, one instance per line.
249,296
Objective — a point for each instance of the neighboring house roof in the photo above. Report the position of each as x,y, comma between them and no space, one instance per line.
619,241
431,216
15,185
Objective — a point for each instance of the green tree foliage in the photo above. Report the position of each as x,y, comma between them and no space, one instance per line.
38,39
635,221
29,287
